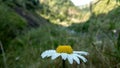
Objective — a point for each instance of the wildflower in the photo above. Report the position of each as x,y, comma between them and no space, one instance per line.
17,58
114,31
98,42
66,52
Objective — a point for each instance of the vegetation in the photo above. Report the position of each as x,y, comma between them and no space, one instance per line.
10,24
98,34
64,14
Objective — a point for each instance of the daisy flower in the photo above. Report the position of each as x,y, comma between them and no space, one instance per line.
66,53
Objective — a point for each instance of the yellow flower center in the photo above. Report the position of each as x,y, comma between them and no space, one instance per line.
64,49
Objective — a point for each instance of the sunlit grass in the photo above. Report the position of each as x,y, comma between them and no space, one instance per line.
103,7
68,14
64,14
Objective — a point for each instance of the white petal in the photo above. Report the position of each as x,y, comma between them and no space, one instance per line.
81,57
76,59
43,54
81,52
54,56
70,58
47,53
64,56
50,53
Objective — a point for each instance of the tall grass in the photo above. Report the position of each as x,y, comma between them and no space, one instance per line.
25,50
10,23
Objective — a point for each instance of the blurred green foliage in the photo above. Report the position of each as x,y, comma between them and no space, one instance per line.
10,24
26,4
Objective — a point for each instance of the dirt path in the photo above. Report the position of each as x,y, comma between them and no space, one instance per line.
30,18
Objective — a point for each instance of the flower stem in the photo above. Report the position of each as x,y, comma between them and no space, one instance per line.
63,63
3,54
